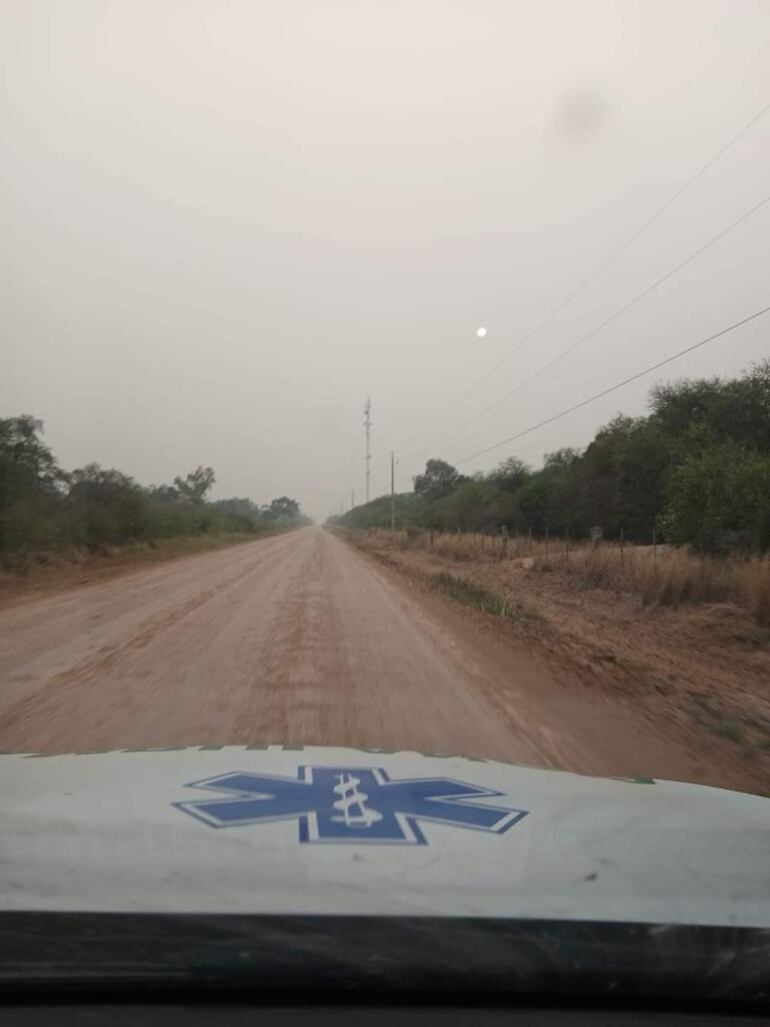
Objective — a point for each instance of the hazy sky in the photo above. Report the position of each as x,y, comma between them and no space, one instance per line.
227,222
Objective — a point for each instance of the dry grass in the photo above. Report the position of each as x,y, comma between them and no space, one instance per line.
664,576
47,572
156,549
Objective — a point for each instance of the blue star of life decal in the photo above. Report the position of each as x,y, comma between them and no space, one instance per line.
350,804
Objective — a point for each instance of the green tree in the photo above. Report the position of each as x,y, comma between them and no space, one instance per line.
283,508
548,500
643,460
476,504
738,409
106,507
163,493
717,499
621,476
439,480
244,508
27,465
31,487
511,474
194,486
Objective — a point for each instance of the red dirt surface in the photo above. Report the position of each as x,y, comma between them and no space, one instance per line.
302,639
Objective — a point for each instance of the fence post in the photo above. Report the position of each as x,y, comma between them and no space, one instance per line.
529,540
566,545
546,538
431,538
504,542
622,547
655,543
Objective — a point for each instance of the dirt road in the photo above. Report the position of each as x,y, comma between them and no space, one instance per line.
297,639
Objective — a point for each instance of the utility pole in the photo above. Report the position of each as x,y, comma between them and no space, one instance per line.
352,498
367,426
392,492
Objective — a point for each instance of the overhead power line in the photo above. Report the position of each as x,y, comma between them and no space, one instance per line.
613,317
618,385
615,253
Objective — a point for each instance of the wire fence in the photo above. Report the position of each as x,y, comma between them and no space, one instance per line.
660,574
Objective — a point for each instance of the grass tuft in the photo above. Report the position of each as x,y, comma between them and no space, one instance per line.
470,594
729,729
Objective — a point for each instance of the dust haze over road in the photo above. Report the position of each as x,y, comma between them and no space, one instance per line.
296,639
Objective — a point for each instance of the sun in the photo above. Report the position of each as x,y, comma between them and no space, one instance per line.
481,332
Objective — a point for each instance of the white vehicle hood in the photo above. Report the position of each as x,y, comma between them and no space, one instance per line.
341,831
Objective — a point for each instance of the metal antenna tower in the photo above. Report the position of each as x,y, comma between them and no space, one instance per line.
367,426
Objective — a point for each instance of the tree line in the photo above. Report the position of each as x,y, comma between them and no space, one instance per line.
43,507
694,471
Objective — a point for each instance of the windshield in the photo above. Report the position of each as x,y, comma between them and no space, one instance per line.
391,378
